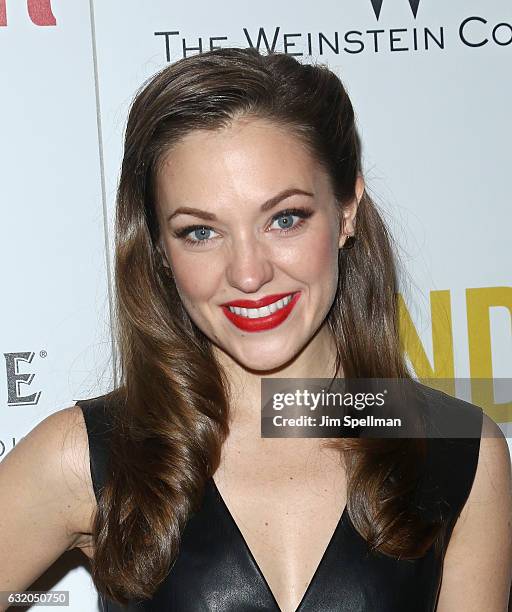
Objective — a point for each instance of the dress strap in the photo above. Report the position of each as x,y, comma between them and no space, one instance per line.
98,423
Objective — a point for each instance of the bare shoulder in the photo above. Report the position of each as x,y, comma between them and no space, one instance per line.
76,471
491,488
62,437
46,497
492,484
481,542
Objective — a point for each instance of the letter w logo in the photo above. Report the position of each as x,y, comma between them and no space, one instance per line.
377,5
39,11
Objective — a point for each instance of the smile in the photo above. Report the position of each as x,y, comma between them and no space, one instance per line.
260,319
254,313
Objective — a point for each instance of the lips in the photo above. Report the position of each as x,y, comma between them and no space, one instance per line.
264,301
261,323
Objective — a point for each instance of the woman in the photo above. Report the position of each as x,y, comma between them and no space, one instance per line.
241,186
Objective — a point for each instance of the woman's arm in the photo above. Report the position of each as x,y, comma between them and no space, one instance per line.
477,570
45,498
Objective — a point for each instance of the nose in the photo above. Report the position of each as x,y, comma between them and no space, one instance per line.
249,266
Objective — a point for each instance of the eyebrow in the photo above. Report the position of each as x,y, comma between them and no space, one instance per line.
265,207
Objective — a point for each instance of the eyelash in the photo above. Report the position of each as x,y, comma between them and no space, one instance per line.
302,213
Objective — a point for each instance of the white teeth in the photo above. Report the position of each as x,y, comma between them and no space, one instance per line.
255,313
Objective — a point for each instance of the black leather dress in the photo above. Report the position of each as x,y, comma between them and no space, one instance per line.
215,570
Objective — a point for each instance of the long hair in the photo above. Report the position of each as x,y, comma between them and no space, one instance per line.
170,409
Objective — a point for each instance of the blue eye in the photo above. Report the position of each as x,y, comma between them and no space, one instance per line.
286,218
202,231
200,235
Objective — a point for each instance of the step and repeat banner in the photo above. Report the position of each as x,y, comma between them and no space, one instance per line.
430,84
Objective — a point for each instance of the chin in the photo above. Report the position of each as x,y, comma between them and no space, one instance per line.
265,360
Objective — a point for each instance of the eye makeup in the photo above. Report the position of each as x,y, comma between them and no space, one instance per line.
303,214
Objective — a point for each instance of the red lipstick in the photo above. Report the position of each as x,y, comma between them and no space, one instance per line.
264,301
260,323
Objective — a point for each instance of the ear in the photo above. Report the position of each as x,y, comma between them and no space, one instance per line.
350,211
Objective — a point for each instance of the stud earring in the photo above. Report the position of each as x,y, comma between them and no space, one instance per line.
349,243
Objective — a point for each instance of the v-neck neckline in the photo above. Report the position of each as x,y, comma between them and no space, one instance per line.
343,519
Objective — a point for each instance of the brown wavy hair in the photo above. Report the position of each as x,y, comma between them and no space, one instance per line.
170,408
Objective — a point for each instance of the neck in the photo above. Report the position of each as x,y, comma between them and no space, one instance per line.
316,360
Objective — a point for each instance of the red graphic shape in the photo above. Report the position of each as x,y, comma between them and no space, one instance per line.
40,12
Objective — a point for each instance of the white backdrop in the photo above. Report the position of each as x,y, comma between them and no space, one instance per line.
430,83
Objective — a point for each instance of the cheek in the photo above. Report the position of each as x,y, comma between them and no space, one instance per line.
194,279
322,261
315,256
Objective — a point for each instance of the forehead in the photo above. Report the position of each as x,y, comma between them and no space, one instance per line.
247,159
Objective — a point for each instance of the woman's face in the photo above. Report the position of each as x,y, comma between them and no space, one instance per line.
266,225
